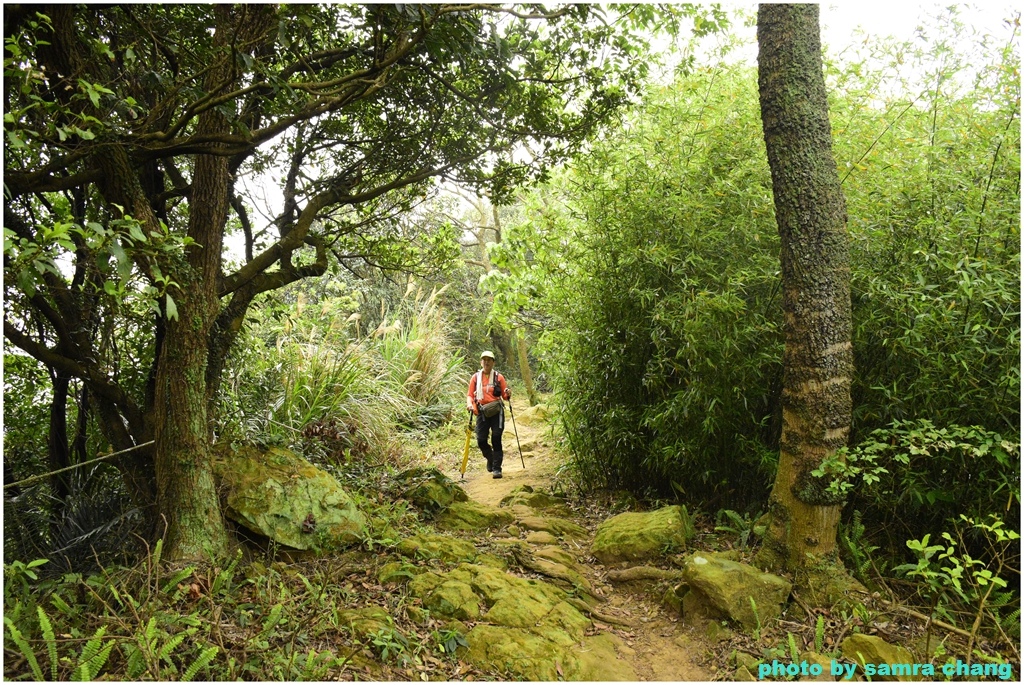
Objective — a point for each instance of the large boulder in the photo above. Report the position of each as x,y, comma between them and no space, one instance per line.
279,494
430,490
717,587
635,536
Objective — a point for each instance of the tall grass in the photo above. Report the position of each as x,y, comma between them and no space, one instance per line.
305,375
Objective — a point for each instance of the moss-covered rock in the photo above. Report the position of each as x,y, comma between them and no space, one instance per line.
553,525
430,490
874,650
396,572
541,537
473,517
454,599
279,494
526,628
534,498
365,621
635,536
426,545
721,588
533,416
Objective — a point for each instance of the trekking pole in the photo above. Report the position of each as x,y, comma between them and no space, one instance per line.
517,433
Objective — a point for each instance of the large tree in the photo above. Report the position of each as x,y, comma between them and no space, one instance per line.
818,360
127,131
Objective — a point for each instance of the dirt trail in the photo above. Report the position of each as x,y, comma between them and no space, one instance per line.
662,644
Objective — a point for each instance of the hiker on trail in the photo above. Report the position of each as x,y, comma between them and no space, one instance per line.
487,388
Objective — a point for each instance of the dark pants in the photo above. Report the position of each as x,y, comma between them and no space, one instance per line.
495,425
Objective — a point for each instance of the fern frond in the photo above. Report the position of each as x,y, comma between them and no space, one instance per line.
46,627
819,634
170,646
205,657
23,645
172,582
92,647
90,668
136,665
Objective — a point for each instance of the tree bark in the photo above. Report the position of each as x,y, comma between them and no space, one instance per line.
524,367
811,215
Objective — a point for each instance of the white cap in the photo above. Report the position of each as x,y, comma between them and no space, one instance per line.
487,353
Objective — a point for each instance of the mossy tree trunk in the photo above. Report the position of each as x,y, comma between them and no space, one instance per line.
818,358
524,366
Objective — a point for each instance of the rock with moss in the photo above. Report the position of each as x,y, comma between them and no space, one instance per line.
545,655
425,545
721,588
365,621
868,649
534,498
554,525
280,495
396,572
536,415
636,536
473,517
526,629
430,490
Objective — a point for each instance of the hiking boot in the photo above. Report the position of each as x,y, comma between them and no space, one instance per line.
489,466
497,473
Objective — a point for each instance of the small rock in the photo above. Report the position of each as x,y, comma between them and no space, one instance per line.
874,650
743,675
513,530
541,538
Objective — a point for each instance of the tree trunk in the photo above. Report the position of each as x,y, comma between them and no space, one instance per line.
524,367
186,493
811,215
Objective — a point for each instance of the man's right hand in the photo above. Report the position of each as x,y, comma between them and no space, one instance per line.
472,409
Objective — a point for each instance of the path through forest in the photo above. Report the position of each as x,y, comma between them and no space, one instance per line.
660,645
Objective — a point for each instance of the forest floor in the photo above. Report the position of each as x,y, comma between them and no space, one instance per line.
659,644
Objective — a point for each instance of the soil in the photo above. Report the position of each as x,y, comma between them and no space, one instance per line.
661,645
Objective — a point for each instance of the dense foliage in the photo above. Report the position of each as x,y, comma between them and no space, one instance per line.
137,138
655,262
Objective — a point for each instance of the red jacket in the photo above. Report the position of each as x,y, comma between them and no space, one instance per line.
491,392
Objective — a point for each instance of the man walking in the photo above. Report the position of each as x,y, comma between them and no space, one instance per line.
487,388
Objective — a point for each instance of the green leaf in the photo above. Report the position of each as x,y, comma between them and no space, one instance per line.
172,309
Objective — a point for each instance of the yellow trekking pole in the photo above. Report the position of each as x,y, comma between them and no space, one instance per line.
465,452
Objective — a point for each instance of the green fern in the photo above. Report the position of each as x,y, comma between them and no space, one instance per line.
136,664
794,653
62,606
170,646
172,582
26,649
272,620
51,640
223,579
819,634
205,657
1011,623
94,656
